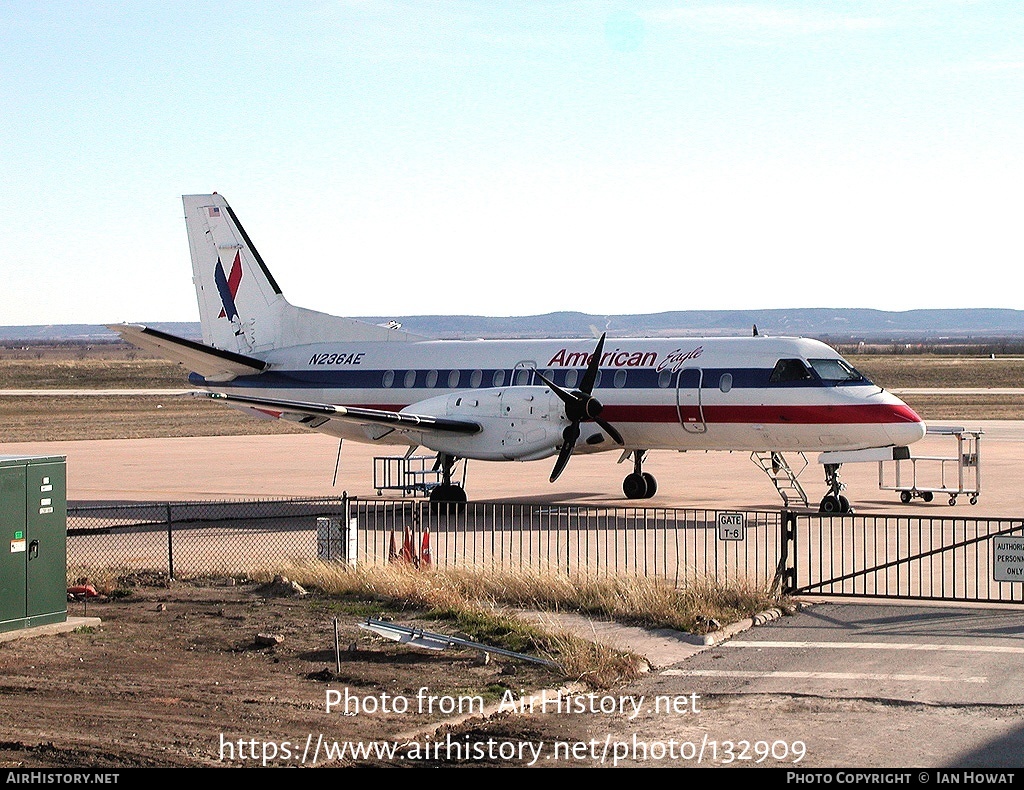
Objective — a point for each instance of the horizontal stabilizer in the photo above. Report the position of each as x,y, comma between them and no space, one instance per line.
353,414
213,364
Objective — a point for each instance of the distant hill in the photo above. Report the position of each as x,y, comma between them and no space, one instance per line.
86,333
836,325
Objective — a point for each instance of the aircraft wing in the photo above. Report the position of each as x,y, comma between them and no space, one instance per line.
356,415
214,364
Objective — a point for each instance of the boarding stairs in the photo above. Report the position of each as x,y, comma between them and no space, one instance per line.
783,476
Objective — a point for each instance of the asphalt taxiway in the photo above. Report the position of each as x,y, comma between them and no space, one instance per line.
300,465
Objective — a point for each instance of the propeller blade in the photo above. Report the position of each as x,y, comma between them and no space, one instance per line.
590,377
566,397
569,437
610,430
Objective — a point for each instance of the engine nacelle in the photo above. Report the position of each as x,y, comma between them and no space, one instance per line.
517,423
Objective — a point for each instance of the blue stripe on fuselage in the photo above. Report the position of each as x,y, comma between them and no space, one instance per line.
742,378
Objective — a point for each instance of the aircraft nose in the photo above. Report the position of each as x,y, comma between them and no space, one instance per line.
907,427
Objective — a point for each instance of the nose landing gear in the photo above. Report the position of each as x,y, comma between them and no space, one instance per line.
834,501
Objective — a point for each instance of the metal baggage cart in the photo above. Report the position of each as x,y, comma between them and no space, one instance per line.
922,477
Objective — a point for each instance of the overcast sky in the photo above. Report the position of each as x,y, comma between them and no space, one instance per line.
507,158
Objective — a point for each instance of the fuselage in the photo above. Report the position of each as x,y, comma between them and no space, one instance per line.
751,394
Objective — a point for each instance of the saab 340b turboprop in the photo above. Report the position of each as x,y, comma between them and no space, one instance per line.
517,400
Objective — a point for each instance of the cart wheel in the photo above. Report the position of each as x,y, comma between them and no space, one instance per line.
927,496
952,500
905,497
974,500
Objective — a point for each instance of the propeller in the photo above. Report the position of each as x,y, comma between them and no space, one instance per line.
580,405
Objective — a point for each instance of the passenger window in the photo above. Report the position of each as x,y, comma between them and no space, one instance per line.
453,379
475,378
499,378
571,377
664,378
431,378
620,379
410,378
522,377
790,370
389,378
725,383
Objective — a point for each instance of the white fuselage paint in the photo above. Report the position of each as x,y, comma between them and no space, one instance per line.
681,394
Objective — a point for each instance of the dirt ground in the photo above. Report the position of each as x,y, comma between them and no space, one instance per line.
175,677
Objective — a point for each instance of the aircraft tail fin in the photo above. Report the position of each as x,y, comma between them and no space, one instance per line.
241,307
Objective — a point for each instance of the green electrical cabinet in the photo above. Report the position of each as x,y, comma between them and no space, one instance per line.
33,541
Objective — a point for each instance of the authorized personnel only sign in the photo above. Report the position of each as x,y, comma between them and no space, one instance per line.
1008,559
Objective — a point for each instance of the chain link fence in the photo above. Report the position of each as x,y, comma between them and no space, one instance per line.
188,539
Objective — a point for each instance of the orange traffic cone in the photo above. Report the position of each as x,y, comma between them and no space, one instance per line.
426,560
408,553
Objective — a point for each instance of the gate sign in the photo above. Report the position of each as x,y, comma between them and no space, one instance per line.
731,527
1008,559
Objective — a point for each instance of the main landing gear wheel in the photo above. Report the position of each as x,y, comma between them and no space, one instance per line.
447,493
639,484
634,486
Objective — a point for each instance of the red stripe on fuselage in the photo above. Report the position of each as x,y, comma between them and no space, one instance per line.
862,414
878,413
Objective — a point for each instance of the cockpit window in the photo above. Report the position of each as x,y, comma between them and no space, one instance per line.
836,371
790,370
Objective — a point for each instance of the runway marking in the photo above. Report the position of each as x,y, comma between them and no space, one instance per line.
726,673
881,646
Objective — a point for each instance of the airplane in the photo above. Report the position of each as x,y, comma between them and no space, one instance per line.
516,400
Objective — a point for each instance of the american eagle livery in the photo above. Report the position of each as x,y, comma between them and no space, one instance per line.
517,400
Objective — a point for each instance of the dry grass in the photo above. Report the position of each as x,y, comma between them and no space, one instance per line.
50,418
967,407
93,371
483,605
898,371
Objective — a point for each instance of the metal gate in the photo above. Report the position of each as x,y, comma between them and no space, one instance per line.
911,557
914,557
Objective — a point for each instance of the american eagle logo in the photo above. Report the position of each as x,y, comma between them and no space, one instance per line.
228,286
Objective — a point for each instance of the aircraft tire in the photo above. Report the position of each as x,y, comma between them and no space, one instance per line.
652,485
830,504
634,486
443,495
